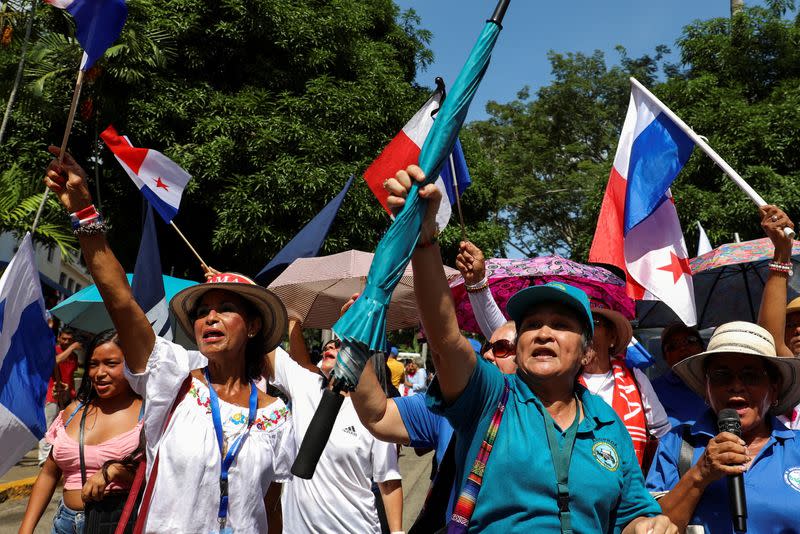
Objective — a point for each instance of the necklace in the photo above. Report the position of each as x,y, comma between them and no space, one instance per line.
608,377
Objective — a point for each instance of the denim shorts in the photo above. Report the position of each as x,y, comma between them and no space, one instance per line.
67,520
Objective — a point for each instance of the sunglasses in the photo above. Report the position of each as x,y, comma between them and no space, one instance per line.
725,377
337,344
680,343
502,348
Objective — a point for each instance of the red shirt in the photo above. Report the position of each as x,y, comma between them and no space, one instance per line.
67,368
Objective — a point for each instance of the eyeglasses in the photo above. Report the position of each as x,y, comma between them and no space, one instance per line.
502,348
725,377
680,343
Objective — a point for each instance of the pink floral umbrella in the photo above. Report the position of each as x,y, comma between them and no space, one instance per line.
507,276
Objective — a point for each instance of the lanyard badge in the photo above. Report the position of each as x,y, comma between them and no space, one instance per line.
562,457
233,450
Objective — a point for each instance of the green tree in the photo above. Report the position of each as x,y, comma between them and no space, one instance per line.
552,150
19,199
269,104
738,83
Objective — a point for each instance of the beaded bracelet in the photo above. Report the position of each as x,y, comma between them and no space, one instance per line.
475,288
87,221
780,267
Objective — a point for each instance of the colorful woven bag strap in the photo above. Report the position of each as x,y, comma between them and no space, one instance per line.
465,505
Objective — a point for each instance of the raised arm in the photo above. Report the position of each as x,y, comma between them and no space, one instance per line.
298,349
454,358
471,263
378,414
136,337
772,314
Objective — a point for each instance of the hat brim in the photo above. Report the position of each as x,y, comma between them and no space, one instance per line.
523,300
622,328
274,321
691,372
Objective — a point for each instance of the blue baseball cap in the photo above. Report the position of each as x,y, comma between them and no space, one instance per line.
525,299
393,351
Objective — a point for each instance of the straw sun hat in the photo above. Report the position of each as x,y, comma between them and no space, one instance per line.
272,311
746,339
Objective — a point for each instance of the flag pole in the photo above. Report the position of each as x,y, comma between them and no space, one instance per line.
76,95
458,198
203,264
699,141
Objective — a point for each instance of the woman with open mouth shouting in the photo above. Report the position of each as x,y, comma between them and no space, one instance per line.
746,383
215,448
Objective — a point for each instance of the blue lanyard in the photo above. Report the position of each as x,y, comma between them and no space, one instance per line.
227,460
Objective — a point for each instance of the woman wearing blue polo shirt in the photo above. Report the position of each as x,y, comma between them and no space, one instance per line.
535,452
739,371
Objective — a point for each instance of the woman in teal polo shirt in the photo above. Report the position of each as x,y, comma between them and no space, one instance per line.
739,371
535,452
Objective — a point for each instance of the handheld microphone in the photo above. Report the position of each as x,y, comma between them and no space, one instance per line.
728,421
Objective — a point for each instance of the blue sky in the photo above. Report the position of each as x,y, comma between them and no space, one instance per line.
533,27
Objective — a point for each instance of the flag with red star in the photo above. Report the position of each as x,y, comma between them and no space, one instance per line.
638,229
160,179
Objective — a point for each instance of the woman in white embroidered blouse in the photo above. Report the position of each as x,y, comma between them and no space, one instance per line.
225,437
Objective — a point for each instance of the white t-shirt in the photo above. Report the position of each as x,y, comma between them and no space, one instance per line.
603,385
186,493
339,497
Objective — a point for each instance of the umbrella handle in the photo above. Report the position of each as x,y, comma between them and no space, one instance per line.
319,430
499,12
789,232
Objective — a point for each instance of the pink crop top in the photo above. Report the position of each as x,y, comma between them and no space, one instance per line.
67,456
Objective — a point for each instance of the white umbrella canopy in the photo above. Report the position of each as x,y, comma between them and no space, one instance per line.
315,289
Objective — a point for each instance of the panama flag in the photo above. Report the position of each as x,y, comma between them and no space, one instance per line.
404,150
98,24
160,179
638,229
27,357
148,284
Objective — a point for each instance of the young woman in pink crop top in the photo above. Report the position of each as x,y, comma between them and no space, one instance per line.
112,441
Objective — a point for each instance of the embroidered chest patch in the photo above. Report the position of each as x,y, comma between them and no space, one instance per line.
792,478
606,455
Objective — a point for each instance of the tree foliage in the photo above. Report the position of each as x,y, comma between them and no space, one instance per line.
738,83
269,104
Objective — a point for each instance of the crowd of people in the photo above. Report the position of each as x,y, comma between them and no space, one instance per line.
545,428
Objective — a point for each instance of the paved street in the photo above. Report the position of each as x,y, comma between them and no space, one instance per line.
415,470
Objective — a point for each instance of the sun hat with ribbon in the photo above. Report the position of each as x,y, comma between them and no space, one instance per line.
274,321
622,326
745,339
793,306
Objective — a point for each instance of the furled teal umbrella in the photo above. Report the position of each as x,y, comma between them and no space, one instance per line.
363,327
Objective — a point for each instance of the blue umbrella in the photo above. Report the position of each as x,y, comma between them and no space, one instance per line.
85,309
363,328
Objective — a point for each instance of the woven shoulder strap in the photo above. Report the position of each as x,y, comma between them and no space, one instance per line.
465,505
151,482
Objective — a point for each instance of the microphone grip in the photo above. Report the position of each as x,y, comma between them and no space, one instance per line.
738,503
317,434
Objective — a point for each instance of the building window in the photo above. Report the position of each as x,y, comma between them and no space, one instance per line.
62,280
51,252
71,285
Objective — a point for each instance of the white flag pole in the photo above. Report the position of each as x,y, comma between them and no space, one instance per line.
699,141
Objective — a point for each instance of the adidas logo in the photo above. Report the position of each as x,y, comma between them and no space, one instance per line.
350,430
